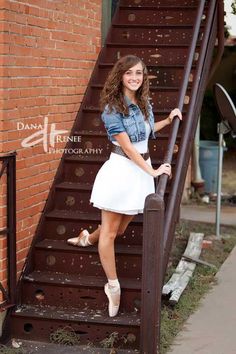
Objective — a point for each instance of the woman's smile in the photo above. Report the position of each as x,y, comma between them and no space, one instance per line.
133,78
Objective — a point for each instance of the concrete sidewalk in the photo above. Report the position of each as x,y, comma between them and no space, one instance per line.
207,213
211,329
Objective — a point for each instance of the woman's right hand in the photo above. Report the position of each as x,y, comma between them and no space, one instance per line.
164,168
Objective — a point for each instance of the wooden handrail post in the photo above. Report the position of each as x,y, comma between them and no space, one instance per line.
152,262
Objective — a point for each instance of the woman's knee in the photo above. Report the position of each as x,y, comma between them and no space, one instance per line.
108,234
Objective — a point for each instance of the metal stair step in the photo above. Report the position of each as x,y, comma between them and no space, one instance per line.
75,186
98,133
56,256
167,4
84,168
97,146
61,225
152,26
151,56
85,132
59,214
86,159
82,216
162,96
148,45
163,65
158,17
158,7
155,111
61,245
62,229
60,279
32,347
71,197
92,122
152,88
98,159
162,77
152,35
80,291
88,316
91,325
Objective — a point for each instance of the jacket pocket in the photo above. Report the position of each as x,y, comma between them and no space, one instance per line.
131,128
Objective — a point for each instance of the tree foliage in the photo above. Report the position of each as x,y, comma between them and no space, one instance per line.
233,5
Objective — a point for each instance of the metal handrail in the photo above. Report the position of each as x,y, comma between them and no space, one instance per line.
162,182
9,164
175,194
158,223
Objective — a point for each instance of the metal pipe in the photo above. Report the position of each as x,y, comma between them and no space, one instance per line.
11,224
9,162
219,181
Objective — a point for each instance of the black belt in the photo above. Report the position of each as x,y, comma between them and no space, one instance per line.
118,150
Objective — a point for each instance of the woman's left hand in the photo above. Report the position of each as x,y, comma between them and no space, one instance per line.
173,113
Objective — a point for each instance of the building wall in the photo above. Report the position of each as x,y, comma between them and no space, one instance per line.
47,52
225,74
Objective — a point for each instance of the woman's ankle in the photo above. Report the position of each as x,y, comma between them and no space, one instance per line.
114,284
94,236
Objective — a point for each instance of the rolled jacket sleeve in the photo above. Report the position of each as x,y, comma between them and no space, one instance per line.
113,122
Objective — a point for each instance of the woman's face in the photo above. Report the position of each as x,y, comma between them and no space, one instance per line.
133,78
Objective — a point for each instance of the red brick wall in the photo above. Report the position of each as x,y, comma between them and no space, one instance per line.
47,52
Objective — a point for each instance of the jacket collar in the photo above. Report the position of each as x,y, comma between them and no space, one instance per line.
128,101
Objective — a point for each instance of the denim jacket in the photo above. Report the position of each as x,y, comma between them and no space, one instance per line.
132,124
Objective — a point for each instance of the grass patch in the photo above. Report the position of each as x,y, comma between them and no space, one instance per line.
110,341
65,336
203,279
6,350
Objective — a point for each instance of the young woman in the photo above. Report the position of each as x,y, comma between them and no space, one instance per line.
127,177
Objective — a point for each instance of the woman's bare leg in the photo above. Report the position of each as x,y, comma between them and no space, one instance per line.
94,236
126,219
111,224
108,233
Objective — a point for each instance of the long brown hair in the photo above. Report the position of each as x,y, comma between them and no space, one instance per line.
112,93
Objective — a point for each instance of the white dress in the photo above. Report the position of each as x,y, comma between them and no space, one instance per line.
121,185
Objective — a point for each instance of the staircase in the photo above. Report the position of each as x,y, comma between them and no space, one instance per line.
63,285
